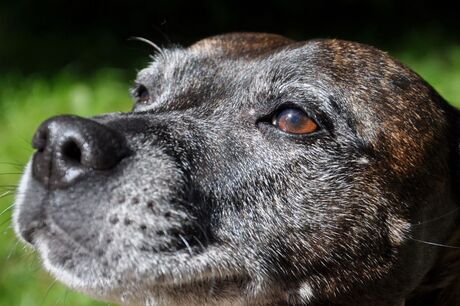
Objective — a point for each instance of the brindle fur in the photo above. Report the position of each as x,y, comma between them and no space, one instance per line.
215,206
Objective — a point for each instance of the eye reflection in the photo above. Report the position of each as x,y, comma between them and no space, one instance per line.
294,121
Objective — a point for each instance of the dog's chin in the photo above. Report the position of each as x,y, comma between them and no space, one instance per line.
176,278
148,280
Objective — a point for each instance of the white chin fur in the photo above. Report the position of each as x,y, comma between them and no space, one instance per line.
59,273
20,197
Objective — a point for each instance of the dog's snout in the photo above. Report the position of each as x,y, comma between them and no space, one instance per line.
69,147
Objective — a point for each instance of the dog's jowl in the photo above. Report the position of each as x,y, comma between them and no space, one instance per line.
254,170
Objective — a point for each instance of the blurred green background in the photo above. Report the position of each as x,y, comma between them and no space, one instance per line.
76,57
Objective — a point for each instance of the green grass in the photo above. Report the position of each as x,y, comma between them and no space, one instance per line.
25,102
440,67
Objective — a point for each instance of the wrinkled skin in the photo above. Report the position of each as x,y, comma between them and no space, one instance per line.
215,205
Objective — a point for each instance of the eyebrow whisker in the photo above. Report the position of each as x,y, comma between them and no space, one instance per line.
149,42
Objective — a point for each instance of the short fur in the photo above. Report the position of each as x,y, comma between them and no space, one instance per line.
215,206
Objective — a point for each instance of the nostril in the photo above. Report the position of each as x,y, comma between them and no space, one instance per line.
40,140
70,147
71,151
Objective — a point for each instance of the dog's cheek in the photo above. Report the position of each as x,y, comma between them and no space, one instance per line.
398,230
335,238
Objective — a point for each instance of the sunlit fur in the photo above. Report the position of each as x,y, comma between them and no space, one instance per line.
216,206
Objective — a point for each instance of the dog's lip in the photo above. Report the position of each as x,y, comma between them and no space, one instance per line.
214,271
116,293
205,278
169,275
52,233
28,235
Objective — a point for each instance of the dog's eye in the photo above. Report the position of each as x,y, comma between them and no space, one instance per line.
294,121
141,94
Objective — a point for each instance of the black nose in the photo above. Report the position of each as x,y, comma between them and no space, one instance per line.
69,147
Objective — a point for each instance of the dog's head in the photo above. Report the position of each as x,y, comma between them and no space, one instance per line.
252,169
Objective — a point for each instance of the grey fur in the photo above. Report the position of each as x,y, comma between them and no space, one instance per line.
217,207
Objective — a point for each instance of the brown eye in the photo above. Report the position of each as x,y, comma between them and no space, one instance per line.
294,121
142,94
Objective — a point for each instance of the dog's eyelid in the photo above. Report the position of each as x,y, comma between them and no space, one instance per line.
308,107
319,119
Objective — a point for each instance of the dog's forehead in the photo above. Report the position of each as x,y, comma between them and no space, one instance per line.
240,44
386,103
215,56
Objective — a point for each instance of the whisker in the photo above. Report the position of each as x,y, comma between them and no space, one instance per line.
8,220
29,256
200,227
186,244
150,43
6,193
453,211
61,300
51,286
6,209
65,296
436,244
35,268
165,36
13,250
8,186
199,242
12,164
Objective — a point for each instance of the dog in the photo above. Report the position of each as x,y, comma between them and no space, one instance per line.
254,170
